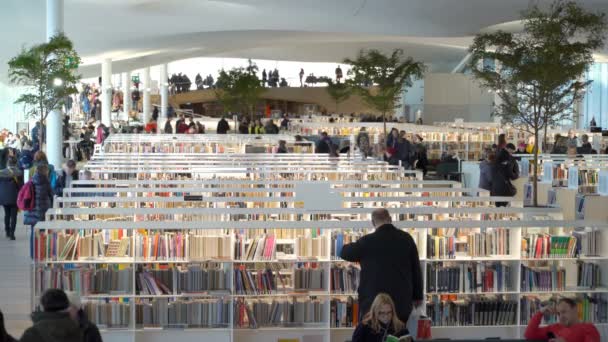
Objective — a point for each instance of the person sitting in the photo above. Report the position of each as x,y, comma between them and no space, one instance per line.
257,128
271,127
586,147
53,324
380,322
569,328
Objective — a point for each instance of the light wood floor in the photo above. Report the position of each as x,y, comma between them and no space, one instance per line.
15,277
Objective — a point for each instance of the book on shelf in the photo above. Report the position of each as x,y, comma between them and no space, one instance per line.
345,278
309,278
452,243
285,312
588,275
85,280
478,277
191,313
542,246
449,310
259,248
591,308
253,282
341,238
110,314
344,312
199,278
542,278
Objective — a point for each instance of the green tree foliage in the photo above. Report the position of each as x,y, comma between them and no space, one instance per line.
239,89
539,73
40,68
381,80
339,92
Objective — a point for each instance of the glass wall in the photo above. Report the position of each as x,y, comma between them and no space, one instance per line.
595,104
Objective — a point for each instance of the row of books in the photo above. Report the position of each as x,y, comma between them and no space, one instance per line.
309,278
344,278
254,282
313,246
550,278
260,248
592,308
589,275
469,278
113,314
162,312
59,246
452,243
541,246
256,313
472,312
339,239
344,312
88,280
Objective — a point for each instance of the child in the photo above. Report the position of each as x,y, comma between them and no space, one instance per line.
380,322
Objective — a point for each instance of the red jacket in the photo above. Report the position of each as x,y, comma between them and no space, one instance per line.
581,332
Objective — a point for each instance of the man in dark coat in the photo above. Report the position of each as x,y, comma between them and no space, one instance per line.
11,180
222,126
389,264
504,170
54,323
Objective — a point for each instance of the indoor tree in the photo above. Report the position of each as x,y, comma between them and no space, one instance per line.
538,74
239,89
380,80
339,92
48,73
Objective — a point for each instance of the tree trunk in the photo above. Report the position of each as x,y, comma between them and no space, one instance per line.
545,137
41,135
535,174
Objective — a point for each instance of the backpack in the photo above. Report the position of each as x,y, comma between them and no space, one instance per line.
26,197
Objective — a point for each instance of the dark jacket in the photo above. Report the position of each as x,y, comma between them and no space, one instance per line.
52,327
485,175
43,199
223,127
61,181
243,128
11,180
168,127
504,170
389,264
365,333
89,330
271,128
324,146
404,152
585,148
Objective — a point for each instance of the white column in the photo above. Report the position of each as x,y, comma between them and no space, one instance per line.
106,99
54,122
126,93
164,91
147,112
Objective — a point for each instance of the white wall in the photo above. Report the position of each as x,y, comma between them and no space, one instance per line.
451,96
413,99
10,113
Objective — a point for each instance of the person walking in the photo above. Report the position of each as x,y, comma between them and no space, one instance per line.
389,264
11,180
222,126
54,323
504,170
363,143
404,151
66,176
168,127
485,170
43,200
89,330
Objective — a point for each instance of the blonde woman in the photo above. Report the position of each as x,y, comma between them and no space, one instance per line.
380,322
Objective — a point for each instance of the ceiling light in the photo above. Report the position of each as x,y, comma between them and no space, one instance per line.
57,82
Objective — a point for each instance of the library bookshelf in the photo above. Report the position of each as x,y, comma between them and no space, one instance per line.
306,249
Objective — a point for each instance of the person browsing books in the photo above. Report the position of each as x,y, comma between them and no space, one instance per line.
389,264
381,323
569,328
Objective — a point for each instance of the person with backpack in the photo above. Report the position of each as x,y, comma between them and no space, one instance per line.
42,199
11,180
65,178
102,133
363,143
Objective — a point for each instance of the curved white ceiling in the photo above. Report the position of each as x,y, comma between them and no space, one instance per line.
136,33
